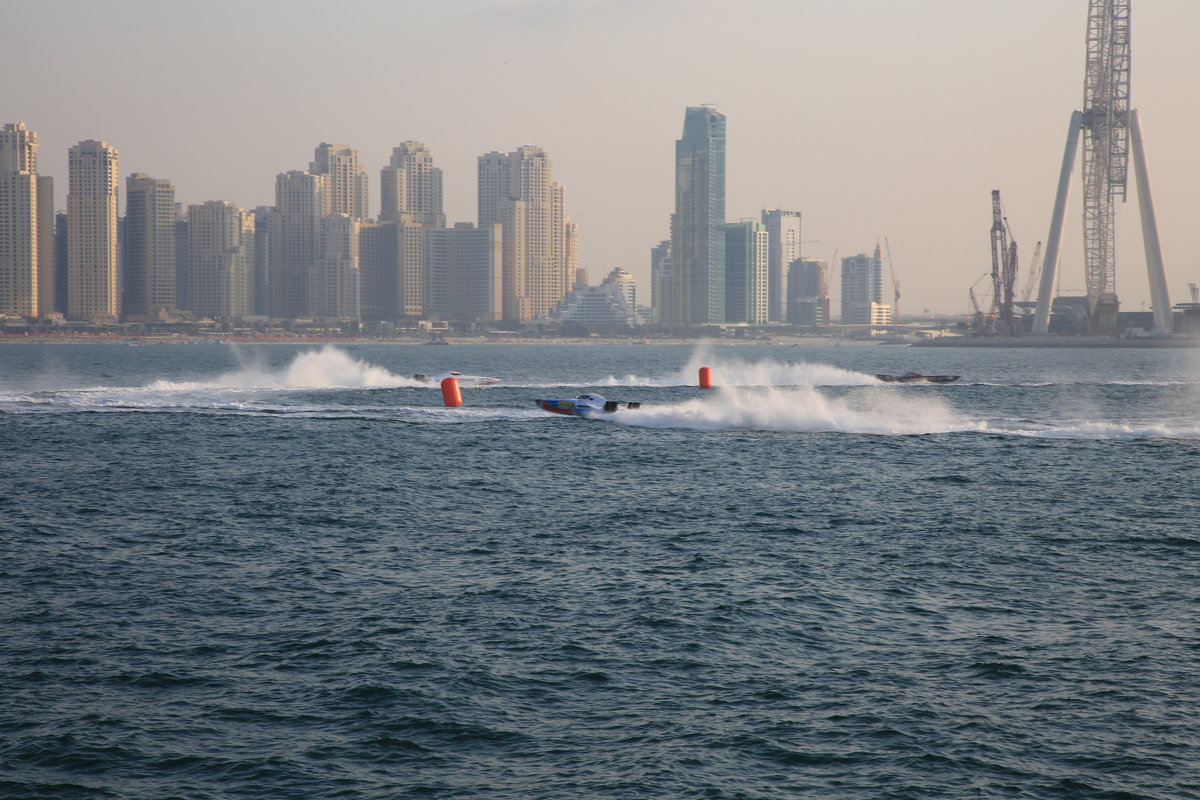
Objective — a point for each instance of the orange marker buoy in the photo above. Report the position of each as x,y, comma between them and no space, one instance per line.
451,394
706,378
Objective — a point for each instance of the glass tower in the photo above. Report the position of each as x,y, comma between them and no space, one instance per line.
698,224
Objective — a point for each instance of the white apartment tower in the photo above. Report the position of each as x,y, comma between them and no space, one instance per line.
19,218
294,234
517,190
345,180
221,250
410,187
93,183
150,217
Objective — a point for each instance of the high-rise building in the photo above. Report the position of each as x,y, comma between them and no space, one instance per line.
746,284
335,285
294,241
411,185
660,280
150,221
93,184
463,266
540,251
862,288
345,188
698,224
47,260
783,232
808,292
221,245
262,261
19,218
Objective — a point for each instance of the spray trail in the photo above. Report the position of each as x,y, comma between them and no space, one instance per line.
804,410
327,368
739,372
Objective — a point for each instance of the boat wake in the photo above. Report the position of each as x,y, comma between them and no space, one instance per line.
327,368
804,410
739,372
254,387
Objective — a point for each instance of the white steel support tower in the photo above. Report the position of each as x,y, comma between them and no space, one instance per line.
1106,123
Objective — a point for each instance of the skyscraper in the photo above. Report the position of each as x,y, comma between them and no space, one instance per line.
93,183
221,245
294,232
783,232
518,191
19,217
746,259
411,185
345,188
862,289
698,224
150,218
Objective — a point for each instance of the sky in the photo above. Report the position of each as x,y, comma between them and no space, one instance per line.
885,121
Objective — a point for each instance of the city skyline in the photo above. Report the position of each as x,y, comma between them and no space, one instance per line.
873,120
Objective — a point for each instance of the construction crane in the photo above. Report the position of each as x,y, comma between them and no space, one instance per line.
895,284
1004,269
979,323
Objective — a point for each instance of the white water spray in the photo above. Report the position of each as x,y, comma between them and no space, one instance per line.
805,410
327,368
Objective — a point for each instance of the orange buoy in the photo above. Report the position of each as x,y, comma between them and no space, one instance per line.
706,378
451,394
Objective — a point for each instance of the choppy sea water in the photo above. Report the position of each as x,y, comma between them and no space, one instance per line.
290,572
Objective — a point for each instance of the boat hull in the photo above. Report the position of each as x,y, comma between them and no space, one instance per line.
916,377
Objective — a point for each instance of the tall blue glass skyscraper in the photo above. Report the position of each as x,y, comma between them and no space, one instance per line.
698,224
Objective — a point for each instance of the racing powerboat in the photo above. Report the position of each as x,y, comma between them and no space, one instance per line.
463,380
917,377
589,406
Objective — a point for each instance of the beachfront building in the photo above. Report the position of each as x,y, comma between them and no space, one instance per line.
149,248
221,248
93,183
517,191
611,304
20,250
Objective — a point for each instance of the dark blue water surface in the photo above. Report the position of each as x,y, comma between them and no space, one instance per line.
290,572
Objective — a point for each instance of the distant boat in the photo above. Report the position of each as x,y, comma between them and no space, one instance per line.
436,341
917,377
589,406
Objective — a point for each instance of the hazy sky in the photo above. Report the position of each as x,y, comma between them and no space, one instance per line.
874,118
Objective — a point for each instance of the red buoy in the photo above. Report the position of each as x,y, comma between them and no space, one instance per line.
451,394
706,378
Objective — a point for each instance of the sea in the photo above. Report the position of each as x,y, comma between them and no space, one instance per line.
277,571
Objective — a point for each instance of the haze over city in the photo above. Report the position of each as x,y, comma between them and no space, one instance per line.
874,119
